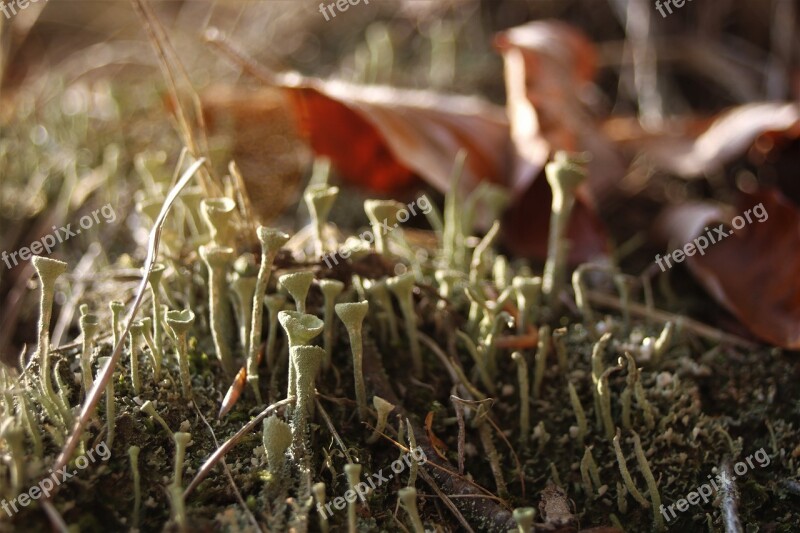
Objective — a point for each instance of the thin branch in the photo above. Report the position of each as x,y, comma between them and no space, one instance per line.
230,443
98,390
446,499
662,316
56,520
227,470
166,57
730,500
332,429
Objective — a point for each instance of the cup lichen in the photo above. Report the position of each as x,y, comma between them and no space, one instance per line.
403,288
331,288
89,325
352,315
297,285
217,259
564,174
181,322
272,241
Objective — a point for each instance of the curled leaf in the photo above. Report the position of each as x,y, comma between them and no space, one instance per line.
753,270
438,445
728,137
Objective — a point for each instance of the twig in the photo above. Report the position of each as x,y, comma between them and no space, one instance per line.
662,316
56,520
332,429
517,342
485,435
230,443
93,396
730,500
446,499
459,407
227,470
513,454
486,508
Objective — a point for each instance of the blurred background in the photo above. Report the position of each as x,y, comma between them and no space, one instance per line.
85,117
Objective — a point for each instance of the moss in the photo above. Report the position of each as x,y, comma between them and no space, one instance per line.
707,401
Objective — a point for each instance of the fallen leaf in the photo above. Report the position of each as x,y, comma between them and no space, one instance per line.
264,142
753,271
526,225
381,138
547,65
235,390
438,445
549,69
728,137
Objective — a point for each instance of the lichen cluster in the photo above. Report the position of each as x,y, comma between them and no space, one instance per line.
508,380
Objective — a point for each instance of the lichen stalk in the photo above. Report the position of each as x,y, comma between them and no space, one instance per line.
244,286
626,476
330,288
541,360
111,410
524,397
524,517
181,322
307,361
318,489
48,270
217,260
528,290
89,325
383,408
564,174
320,200
133,456
652,486
154,280
117,307
271,242
403,289
150,409
352,315
136,330
276,437
580,415
300,329
353,473
408,498
589,472
382,214
297,285
176,487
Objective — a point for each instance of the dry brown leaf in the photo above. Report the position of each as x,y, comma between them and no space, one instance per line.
264,142
383,138
438,444
728,137
547,65
752,272
527,223
380,138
